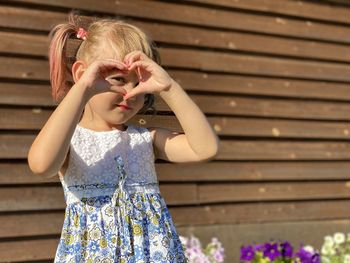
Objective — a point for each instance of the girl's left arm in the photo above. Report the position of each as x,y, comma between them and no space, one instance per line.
199,141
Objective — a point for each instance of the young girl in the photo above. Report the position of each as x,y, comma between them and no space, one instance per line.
115,212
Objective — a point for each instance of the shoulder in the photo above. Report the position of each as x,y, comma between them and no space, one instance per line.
141,132
158,133
152,131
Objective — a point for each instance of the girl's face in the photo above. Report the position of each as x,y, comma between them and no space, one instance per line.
110,107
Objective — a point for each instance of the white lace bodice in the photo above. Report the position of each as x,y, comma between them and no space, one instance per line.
92,169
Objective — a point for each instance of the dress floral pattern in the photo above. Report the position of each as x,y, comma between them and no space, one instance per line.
114,217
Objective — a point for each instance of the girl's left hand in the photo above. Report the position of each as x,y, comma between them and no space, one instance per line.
152,77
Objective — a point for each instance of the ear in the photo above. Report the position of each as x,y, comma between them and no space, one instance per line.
78,69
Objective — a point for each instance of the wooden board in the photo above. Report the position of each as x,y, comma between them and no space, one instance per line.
203,16
273,81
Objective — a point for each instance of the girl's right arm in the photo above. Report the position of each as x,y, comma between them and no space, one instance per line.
50,147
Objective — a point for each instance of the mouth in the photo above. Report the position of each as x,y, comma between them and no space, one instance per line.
123,107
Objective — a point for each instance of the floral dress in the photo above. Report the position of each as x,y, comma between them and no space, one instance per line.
115,212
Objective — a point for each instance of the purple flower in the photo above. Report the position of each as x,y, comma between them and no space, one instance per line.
259,247
247,253
271,251
287,249
315,258
307,257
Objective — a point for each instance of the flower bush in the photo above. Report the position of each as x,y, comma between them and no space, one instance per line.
336,248
278,252
213,253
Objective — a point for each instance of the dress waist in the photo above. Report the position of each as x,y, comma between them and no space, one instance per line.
75,193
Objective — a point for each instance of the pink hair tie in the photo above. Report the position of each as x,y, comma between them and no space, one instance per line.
81,33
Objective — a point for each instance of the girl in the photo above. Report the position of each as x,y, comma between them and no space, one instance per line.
115,212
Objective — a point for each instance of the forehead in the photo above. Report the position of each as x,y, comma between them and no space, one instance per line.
111,52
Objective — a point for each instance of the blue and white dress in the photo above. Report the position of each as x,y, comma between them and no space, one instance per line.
115,212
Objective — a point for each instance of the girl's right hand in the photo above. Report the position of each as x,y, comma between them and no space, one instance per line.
94,77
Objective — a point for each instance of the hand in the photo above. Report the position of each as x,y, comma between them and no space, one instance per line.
152,77
94,77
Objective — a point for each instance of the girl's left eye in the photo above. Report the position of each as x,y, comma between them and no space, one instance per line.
119,79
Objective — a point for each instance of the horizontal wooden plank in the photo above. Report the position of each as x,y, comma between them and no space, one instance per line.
32,198
29,18
17,43
35,118
26,224
256,86
238,41
25,94
278,150
51,197
47,198
254,107
260,212
24,44
35,69
202,16
253,171
17,146
28,250
257,65
51,223
40,94
281,108
218,193
320,10
20,174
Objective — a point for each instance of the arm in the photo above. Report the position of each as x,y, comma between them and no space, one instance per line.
199,142
49,149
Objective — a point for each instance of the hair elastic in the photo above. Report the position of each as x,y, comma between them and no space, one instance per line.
81,33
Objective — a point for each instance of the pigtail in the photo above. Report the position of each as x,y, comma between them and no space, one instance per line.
59,59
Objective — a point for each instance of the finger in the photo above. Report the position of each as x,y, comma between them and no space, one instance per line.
140,63
133,56
111,63
134,92
139,73
119,89
108,65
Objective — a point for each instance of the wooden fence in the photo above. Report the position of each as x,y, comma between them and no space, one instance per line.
272,78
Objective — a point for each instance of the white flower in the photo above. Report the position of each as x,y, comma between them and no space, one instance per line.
347,258
183,240
328,240
339,238
325,260
195,243
309,249
95,233
348,237
327,250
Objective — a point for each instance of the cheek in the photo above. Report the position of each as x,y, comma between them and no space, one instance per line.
99,102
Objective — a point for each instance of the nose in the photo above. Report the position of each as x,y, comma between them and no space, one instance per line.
128,87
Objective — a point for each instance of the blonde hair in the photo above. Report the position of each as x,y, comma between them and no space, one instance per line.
65,48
